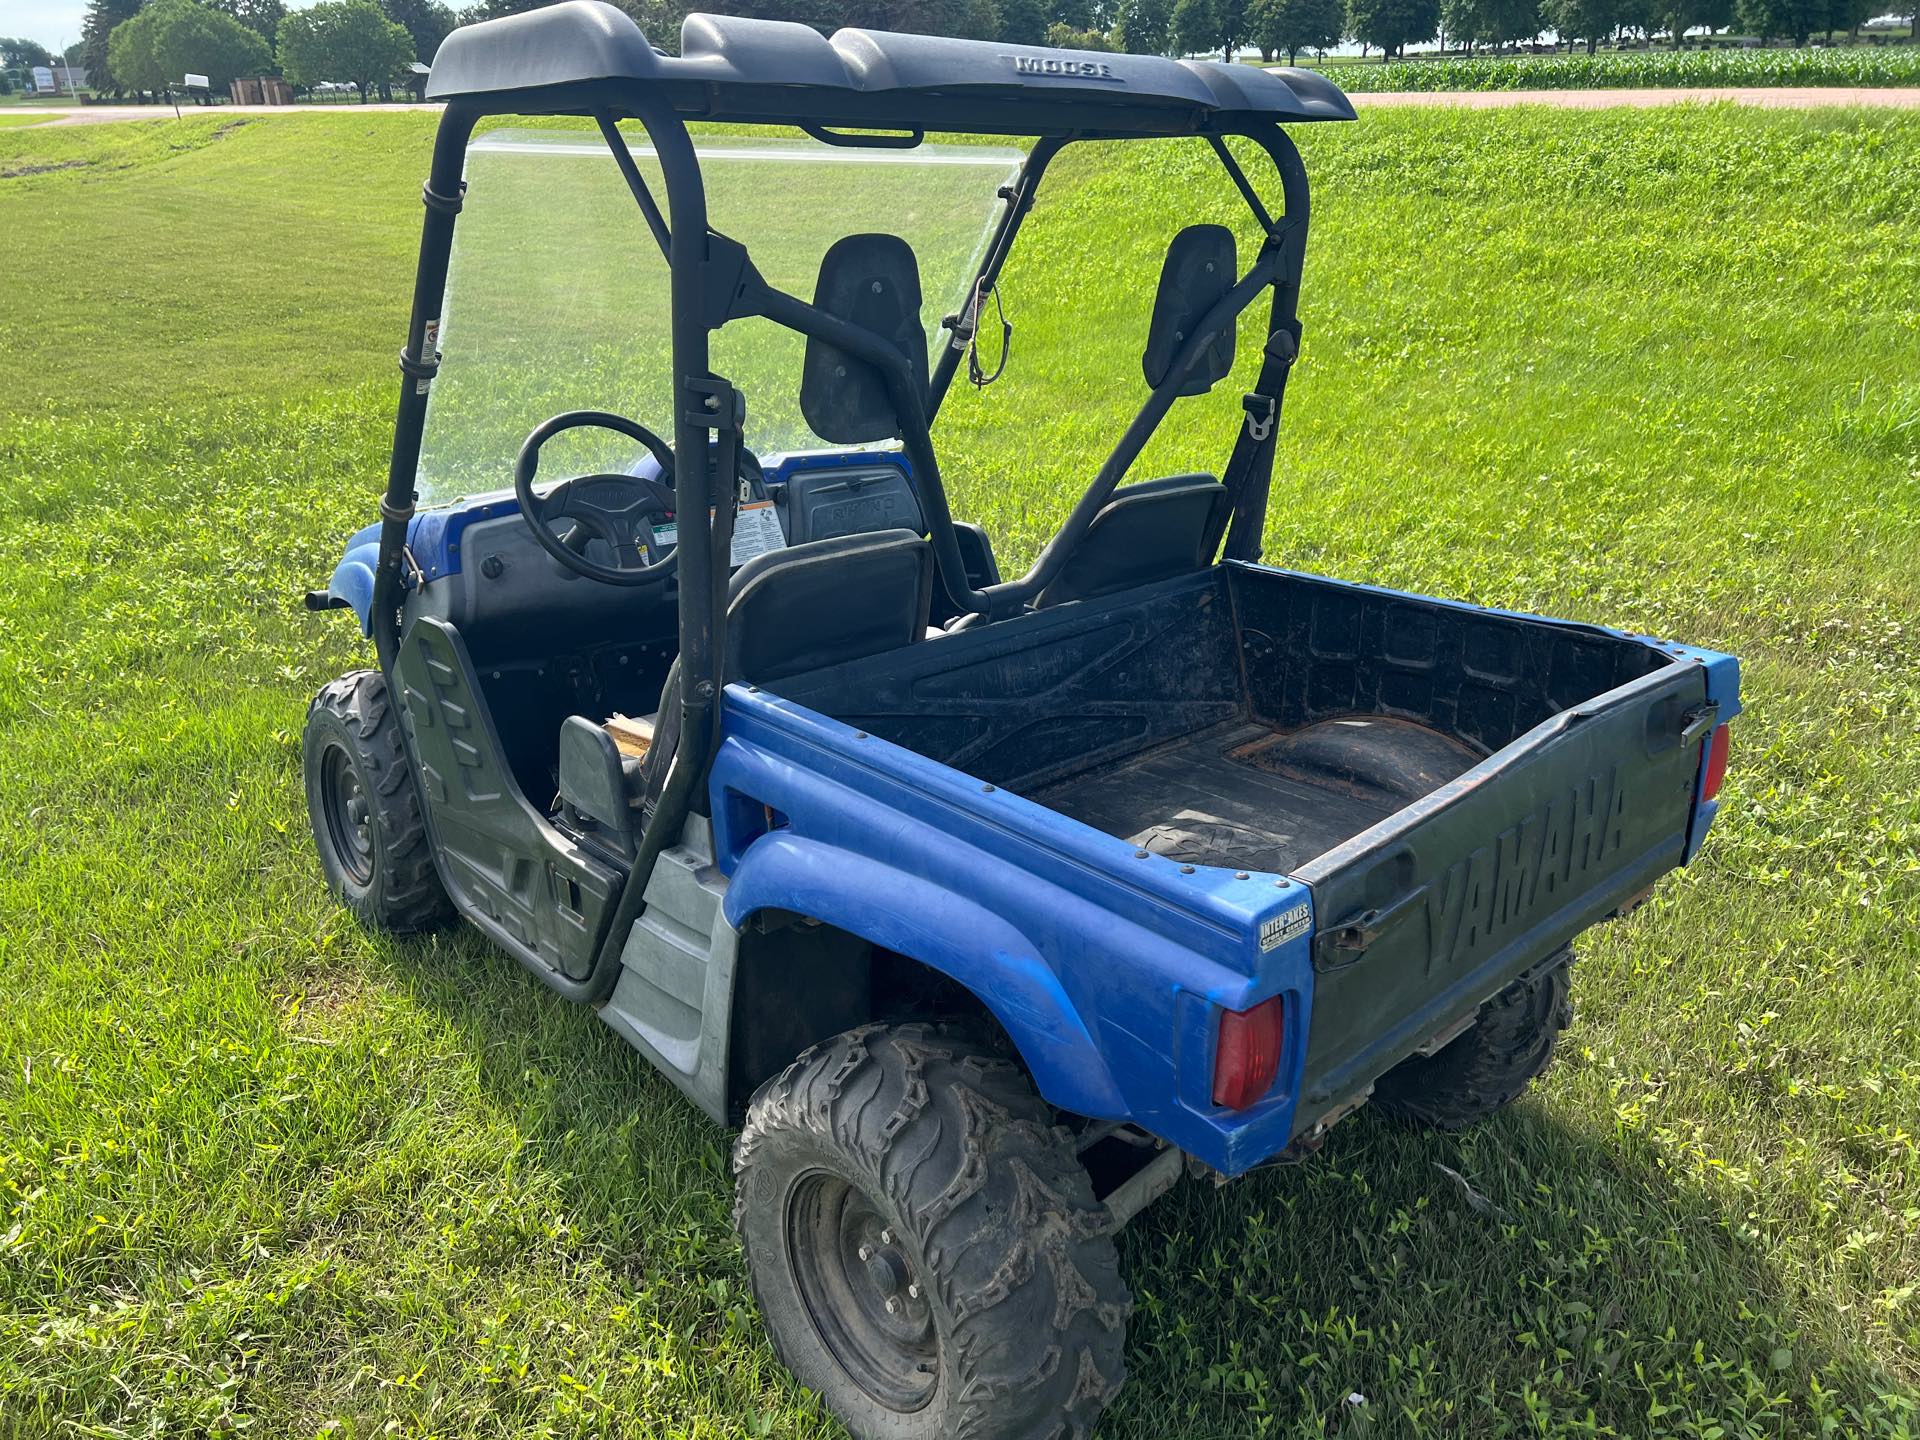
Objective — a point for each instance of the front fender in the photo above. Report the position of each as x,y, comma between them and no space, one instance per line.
351,584
959,938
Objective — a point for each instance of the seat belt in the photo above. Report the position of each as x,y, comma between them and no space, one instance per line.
1249,473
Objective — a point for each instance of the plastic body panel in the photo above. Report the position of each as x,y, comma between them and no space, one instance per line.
1106,965
534,891
438,539
672,999
1436,908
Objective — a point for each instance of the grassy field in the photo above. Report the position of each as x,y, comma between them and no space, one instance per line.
262,1174
1855,65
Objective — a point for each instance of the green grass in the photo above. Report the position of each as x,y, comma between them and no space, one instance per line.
1854,65
261,1173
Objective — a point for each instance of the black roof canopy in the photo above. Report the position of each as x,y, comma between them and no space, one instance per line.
586,54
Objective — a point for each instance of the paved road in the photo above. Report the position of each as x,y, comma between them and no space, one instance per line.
94,114
1774,99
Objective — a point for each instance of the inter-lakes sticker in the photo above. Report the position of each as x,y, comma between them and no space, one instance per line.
1287,925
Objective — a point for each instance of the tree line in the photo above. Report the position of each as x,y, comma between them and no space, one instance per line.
148,45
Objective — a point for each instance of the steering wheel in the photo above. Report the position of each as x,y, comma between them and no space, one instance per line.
607,507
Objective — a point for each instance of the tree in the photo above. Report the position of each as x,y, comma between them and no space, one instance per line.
22,54
102,17
1144,27
1588,20
1685,15
1850,15
1795,18
1295,25
1023,22
1490,22
263,17
170,39
350,40
1391,24
1064,37
1200,26
427,23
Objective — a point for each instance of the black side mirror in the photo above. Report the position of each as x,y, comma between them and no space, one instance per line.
1201,267
872,281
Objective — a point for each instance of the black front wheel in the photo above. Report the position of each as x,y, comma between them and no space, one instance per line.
365,811
924,1243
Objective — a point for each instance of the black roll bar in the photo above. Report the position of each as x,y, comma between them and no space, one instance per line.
703,404
420,359
1277,267
701,407
706,405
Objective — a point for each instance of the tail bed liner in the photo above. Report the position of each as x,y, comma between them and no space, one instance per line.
1244,796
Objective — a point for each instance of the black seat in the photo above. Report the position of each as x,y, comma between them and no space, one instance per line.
826,602
1150,531
807,607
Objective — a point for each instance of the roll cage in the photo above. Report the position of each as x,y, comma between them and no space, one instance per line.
586,58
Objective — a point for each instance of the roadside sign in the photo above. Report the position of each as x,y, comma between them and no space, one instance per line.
42,80
197,82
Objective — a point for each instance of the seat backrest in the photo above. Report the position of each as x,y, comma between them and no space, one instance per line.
826,602
806,607
1150,531
872,281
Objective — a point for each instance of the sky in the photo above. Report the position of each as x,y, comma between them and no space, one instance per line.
54,23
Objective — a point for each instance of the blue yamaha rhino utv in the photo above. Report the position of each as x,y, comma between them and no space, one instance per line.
987,907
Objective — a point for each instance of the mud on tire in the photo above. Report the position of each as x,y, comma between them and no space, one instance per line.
1485,1069
365,811
909,1164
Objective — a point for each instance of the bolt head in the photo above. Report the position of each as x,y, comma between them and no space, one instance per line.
866,1252
886,1237
913,1290
893,1304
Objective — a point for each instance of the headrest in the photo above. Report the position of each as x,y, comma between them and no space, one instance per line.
872,281
1198,272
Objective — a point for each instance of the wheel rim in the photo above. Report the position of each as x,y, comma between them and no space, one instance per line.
849,1264
349,819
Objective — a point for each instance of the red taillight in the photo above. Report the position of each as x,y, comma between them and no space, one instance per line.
1716,765
1248,1056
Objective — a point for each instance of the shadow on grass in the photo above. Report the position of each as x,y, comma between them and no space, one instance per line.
1565,1280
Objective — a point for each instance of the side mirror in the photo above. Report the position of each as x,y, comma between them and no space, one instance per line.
872,281
1201,267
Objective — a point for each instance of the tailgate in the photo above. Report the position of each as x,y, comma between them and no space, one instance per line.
1439,907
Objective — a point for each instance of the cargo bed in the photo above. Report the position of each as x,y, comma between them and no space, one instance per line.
1461,790
1247,796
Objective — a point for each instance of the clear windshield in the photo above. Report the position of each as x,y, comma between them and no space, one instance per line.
557,296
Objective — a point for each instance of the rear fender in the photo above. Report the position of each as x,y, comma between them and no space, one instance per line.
969,944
